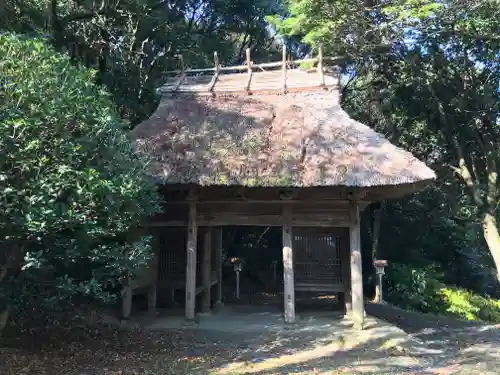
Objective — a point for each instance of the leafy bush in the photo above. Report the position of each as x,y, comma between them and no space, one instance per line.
421,289
458,303
414,288
470,306
71,184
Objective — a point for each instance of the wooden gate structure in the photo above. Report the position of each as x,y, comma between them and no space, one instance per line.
321,259
268,144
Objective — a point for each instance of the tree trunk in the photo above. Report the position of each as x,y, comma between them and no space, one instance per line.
492,237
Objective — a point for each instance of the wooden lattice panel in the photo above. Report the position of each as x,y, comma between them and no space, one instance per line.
172,254
318,258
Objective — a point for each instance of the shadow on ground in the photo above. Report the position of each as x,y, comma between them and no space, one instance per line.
248,341
252,340
461,346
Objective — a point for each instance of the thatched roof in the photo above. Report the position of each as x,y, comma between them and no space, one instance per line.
299,139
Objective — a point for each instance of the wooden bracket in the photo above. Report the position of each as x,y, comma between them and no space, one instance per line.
287,195
240,195
356,195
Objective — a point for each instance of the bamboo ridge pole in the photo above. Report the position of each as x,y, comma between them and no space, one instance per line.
274,64
249,66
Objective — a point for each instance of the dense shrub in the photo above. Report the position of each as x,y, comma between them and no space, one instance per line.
71,184
422,289
414,288
470,306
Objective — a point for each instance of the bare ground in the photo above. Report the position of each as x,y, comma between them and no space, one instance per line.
103,349
460,347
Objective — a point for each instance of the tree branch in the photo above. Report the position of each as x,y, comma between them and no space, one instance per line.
463,172
82,16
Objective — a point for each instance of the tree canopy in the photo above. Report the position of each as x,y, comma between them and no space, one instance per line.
132,43
71,184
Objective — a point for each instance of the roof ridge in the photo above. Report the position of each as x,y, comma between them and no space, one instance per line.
253,77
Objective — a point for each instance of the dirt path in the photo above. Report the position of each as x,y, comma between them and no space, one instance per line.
448,346
100,349
459,347
293,354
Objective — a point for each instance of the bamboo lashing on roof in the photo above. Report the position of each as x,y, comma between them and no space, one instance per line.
249,65
284,68
258,77
183,74
217,72
320,66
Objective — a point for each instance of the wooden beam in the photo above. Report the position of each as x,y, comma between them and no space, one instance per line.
358,308
214,193
217,241
262,221
269,201
206,269
192,234
289,289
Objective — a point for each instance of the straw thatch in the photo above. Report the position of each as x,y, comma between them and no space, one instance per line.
298,139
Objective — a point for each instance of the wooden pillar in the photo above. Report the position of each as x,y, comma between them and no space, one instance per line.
152,297
358,308
346,278
127,299
192,233
217,241
206,268
289,287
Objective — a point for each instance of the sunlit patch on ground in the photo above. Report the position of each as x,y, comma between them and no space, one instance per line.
249,342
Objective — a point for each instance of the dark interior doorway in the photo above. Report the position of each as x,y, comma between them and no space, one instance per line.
259,249
261,277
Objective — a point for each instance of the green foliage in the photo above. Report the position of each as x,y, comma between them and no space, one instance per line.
459,303
433,91
71,184
413,9
422,289
414,288
470,306
132,43
349,29
489,308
